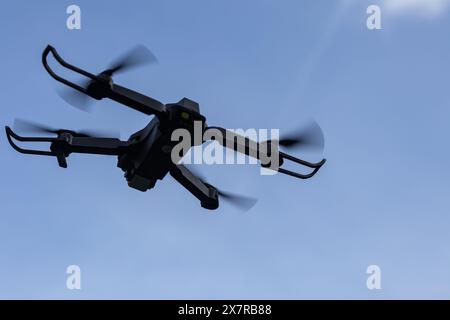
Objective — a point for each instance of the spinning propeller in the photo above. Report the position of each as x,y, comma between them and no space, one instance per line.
33,127
138,56
309,137
241,202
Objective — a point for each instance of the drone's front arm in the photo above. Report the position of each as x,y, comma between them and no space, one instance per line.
135,100
265,152
66,143
207,194
104,87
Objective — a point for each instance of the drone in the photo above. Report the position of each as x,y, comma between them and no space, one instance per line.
145,157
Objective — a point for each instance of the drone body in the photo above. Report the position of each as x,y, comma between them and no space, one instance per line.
146,156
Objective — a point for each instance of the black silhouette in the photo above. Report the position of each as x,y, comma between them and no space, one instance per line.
146,156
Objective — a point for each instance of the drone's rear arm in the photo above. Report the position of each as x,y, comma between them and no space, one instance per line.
105,146
262,151
65,144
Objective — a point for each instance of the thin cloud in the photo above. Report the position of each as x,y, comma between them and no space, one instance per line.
428,8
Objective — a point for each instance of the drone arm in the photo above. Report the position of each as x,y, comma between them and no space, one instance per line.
66,144
261,151
130,98
103,146
205,193
236,142
136,100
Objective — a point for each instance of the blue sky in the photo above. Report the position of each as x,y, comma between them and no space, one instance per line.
381,98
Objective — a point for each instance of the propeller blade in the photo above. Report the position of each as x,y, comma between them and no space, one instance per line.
241,202
32,127
99,133
77,99
138,56
309,137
